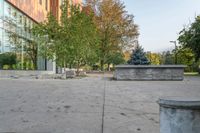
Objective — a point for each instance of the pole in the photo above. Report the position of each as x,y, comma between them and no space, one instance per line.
22,56
176,61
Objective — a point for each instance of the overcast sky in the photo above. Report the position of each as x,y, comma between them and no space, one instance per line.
161,20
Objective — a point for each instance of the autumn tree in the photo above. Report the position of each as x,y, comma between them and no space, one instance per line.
154,58
116,28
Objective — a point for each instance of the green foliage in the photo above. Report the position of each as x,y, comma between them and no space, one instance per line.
167,58
190,37
115,58
72,41
46,34
154,58
186,57
138,57
83,38
7,60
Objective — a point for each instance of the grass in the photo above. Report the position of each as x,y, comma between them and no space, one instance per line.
191,74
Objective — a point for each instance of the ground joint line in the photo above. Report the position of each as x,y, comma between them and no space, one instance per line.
104,100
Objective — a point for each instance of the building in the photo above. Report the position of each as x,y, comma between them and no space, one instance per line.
19,16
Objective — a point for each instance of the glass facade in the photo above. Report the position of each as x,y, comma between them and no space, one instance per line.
16,22
15,33
13,22
1,26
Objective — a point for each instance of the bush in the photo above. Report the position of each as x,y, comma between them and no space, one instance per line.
7,60
6,67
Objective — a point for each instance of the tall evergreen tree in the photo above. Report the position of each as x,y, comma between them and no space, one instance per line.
138,57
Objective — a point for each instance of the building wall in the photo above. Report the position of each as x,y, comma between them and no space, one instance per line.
36,9
60,2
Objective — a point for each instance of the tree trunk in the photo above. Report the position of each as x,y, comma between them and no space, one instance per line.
102,64
108,66
35,63
64,63
78,68
70,66
199,70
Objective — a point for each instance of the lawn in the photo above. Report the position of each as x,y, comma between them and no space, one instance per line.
191,74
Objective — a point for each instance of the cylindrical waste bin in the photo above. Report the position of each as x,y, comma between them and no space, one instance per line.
179,115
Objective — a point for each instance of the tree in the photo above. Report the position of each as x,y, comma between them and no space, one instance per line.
154,58
115,58
46,34
190,37
116,28
72,41
53,37
127,55
138,57
83,38
167,58
186,57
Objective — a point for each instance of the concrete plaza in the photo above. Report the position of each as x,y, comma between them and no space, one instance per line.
94,104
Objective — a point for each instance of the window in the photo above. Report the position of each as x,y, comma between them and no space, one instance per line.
40,1
14,13
9,10
20,19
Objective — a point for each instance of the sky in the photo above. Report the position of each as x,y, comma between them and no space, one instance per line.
160,21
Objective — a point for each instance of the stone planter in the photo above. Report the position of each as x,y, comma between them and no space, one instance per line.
149,72
23,73
179,115
70,74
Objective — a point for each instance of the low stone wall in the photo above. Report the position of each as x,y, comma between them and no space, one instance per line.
149,72
16,73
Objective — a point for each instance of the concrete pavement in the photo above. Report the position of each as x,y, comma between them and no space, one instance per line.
76,105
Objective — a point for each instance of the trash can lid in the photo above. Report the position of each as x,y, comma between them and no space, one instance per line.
180,102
